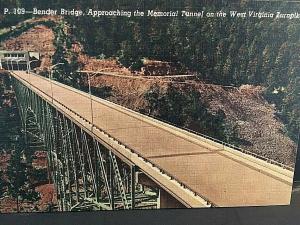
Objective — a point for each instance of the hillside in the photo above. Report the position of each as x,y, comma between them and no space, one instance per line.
11,133
40,39
244,107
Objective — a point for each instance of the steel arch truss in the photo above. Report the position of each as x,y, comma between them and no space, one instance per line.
86,175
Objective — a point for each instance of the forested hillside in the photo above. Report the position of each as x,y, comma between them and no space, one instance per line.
227,51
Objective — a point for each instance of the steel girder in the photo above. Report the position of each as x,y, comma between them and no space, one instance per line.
86,175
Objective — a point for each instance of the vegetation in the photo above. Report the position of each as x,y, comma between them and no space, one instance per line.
22,28
185,108
225,51
8,117
3,184
19,183
68,66
65,60
12,20
16,181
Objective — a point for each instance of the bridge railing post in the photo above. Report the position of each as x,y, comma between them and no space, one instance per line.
90,93
51,78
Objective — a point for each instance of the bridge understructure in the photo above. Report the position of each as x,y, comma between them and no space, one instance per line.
86,175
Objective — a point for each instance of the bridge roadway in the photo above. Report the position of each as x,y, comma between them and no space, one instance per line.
224,176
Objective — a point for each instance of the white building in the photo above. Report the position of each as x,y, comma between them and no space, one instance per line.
18,60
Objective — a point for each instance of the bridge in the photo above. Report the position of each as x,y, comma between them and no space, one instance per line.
104,156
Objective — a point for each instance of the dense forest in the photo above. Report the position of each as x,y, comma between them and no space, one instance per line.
15,179
226,51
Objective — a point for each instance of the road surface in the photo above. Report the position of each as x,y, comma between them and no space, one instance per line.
224,177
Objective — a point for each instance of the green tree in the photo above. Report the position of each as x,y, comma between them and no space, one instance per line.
3,184
185,108
20,186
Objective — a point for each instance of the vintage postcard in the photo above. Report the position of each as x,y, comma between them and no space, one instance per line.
119,105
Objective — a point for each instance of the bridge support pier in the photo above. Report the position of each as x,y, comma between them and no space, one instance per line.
165,200
133,174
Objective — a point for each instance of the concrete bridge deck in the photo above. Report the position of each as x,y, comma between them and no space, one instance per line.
219,174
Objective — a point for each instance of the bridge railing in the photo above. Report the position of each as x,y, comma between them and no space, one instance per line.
233,147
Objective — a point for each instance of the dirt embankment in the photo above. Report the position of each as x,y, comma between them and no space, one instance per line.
48,199
244,107
256,123
39,39
97,65
47,193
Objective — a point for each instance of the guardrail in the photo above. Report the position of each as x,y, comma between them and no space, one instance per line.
271,161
